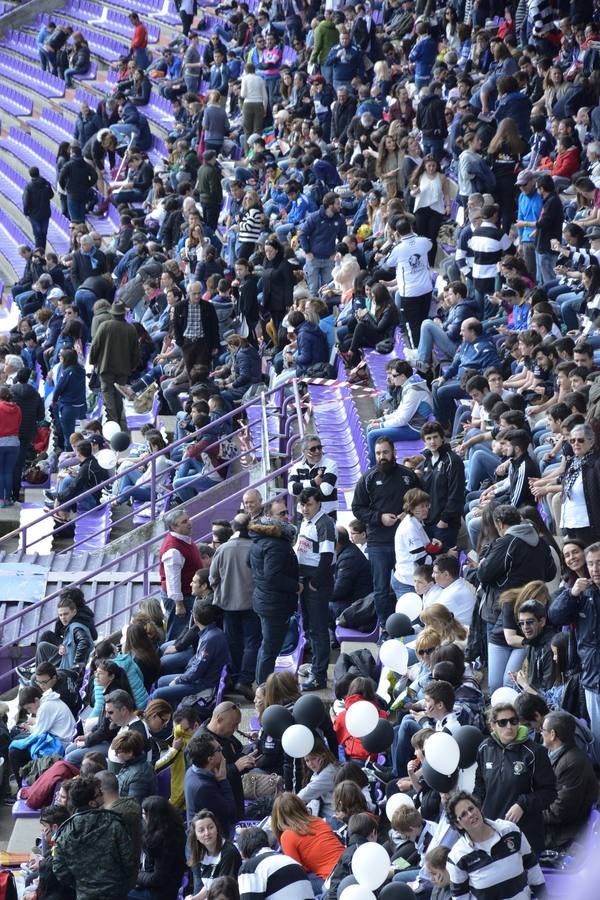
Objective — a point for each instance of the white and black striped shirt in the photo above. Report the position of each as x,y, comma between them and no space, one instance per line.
487,243
273,876
503,867
302,475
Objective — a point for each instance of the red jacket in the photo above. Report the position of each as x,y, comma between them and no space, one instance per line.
140,37
566,164
353,747
41,792
10,419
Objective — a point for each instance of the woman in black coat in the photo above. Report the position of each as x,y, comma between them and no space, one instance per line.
163,852
375,326
247,291
277,283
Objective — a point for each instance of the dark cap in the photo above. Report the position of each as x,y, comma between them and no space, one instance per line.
118,309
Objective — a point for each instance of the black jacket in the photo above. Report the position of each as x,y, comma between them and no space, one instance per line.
584,613
517,773
37,195
353,577
341,116
540,665
82,268
445,484
77,177
248,299
549,224
86,127
377,492
210,323
577,788
32,410
274,568
89,475
277,284
590,474
343,867
163,865
431,117
232,751
515,559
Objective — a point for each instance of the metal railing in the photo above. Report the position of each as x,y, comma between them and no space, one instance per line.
21,532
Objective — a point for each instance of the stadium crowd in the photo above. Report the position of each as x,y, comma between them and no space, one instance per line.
417,179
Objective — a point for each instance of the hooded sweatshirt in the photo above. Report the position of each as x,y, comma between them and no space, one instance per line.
353,747
54,717
415,406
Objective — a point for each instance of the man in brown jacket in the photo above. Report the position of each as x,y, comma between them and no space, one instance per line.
115,353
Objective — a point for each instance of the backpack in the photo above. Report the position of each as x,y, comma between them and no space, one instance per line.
8,888
360,663
360,615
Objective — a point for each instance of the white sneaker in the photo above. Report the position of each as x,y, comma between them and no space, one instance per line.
410,355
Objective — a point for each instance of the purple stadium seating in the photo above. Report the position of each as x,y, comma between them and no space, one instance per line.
31,77
14,103
93,531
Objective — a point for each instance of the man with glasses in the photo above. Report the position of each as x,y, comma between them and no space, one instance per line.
412,408
206,785
277,509
514,779
62,681
578,606
196,328
315,470
540,655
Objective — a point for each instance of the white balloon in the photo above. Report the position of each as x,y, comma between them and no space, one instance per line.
356,892
106,458
297,741
410,604
361,718
393,653
504,695
466,779
442,753
370,866
395,802
109,429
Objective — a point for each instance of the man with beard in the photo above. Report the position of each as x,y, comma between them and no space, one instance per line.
378,501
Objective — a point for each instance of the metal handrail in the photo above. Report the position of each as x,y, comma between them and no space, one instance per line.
22,530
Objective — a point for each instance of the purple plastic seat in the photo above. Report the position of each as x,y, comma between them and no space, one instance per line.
291,662
92,532
351,636
20,810
163,783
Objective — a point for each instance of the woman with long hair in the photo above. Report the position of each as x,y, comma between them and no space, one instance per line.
142,650
431,190
107,677
69,393
321,768
506,644
251,224
360,690
375,326
277,286
210,855
442,620
163,852
555,87
412,545
505,152
389,166
307,839
348,800
575,565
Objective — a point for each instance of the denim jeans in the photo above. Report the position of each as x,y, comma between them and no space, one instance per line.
501,661
398,433
39,228
482,462
274,630
8,459
242,630
383,559
176,625
433,335
592,701
315,615
67,417
433,146
84,300
444,400
124,132
76,207
402,749
174,693
545,263
317,273
172,663
400,588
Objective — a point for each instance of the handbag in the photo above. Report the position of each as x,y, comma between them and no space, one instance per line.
260,785
35,475
41,438
385,346
243,329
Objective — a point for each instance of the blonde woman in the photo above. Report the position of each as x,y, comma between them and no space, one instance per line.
307,839
442,620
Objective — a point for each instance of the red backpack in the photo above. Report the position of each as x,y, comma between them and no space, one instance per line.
8,888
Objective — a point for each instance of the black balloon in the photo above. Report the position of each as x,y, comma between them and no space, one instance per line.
120,441
468,739
275,720
380,739
344,883
399,625
435,780
309,710
396,890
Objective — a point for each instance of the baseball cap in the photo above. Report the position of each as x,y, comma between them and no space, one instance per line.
56,293
525,176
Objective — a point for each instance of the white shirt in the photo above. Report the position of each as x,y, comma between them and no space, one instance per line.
253,89
574,512
430,193
459,598
54,717
413,275
173,562
409,545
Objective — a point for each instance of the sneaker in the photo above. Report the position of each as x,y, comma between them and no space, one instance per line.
245,690
313,685
50,496
305,670
25,673
410,355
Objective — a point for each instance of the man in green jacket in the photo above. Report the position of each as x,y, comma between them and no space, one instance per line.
208,187
326,37
115,353
93,850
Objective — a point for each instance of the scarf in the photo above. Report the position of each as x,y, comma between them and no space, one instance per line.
573,472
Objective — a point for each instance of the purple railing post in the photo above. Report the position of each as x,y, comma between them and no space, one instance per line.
146,577
153,488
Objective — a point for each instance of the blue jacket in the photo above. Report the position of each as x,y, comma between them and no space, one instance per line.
464,309
320,233
205,667
297,210
132,116
219,79
515,106
584,613
70,389
246,367
203,791
423,54
312,347
529,209
479,355
347,68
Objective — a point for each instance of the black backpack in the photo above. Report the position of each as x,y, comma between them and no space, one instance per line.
359,664
360,615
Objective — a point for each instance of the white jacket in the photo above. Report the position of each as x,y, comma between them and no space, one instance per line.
415,405
54,717
409,544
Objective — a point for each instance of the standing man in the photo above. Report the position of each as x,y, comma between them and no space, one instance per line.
252,502
316,556
345,61
179,560
196,329
138,48
548,228
487,244
77,178
413,277
578,606
115,353
210,192
316,471
320,233
378,502
37,195
232,584
528,210
442,476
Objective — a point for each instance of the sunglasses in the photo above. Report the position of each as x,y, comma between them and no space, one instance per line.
503,723
524,623
315,448
427,650
577,440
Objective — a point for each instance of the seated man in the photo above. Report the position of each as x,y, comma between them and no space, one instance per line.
457,594
203,671
206,785
436,711
267,874
90,475
444,333
576,783
352,576
51,719
404,422
540,655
